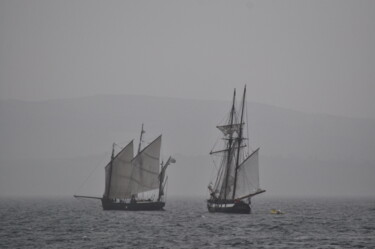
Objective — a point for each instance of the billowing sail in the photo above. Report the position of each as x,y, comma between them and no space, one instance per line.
248,176
145,168
117,181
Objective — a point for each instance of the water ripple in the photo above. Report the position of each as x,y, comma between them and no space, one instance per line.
71,223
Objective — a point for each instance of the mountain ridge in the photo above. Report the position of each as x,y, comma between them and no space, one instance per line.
5,101
48,140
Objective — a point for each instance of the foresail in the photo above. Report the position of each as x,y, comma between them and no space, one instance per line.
145,168
248,176
121,173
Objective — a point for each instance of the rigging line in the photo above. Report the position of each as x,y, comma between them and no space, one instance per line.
219,171
166,191
248,134
213,169
120,147
217,140
161,155
225,119
97,166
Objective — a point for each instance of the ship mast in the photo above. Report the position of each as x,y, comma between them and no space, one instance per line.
239,139
229,146
139,150
110,170
140,139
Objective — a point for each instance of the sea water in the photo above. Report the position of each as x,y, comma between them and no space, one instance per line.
186,223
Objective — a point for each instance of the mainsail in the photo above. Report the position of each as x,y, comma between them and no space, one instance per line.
118,173
145,168
126,176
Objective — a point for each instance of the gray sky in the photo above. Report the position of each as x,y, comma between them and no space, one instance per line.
314,56
310,56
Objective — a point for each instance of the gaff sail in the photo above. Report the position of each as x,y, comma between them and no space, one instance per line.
145,169
118,178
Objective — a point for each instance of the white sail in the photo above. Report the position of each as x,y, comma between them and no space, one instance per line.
230,128
145,168
121,173
248,176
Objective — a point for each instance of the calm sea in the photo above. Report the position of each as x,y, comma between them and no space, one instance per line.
185,223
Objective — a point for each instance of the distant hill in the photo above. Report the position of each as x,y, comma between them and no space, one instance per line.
43,143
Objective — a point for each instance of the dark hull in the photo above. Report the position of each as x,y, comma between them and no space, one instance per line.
138,206
236,208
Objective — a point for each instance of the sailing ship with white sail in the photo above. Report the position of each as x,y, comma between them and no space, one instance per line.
128,178
237,177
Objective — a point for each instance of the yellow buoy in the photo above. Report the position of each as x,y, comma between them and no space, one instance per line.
276,211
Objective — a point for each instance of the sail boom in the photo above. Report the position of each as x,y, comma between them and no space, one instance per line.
234,138
229,125
225,150
251,195
87,197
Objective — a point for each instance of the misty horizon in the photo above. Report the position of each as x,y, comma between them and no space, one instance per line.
184,98
66,146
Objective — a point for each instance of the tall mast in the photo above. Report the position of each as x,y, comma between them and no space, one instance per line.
229,146
239,143
140,139
110,169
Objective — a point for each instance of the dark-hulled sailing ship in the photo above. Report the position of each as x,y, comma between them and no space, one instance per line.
129,178
237,178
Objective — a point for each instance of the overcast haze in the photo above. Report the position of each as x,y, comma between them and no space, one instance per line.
76,76
315,56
